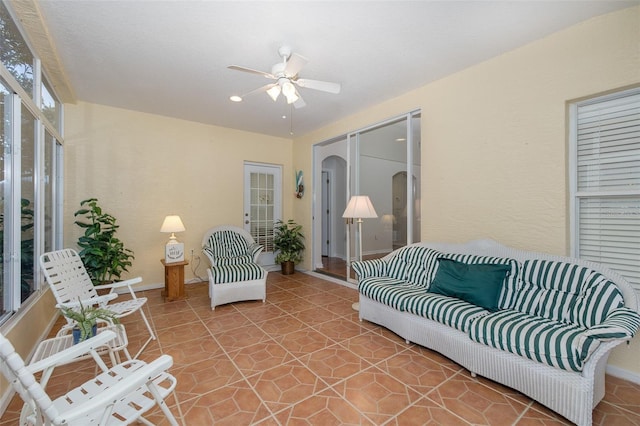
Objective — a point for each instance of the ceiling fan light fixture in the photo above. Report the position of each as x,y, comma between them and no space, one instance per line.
292,98
274,92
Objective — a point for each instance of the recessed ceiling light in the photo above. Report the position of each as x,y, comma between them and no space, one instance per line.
284,117
401,140
235,98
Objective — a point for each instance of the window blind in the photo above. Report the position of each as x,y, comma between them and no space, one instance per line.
607,183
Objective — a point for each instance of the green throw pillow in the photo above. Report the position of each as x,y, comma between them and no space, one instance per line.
479,283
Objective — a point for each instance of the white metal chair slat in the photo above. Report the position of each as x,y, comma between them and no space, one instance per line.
70,283
118,396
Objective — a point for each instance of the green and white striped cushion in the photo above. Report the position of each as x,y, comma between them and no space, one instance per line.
565,346
422,263
236,260
596,302
446,310
236,273
508,294
623,323
389,291
369,268
566,292
414,264
227,244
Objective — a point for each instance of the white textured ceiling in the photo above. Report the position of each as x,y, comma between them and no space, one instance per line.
171,57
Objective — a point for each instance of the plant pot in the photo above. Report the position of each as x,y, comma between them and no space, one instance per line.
76,334
287,268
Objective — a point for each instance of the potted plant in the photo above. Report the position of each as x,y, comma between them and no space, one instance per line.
103,254
288,241
86,320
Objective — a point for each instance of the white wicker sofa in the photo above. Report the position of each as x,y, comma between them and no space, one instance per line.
546,329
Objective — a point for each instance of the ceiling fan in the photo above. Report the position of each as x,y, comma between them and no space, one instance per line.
286,78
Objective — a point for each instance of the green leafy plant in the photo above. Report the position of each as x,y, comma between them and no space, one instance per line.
103,254
288,241
86,317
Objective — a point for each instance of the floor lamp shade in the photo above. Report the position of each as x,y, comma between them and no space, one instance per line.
359,207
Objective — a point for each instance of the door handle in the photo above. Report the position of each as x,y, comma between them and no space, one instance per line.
246,221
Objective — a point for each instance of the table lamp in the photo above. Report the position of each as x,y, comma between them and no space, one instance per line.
174,250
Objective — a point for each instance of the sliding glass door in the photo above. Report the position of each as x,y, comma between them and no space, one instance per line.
383,163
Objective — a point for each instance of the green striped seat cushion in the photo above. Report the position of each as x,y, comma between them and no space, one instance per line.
446,310
235,273
414,264
227,244
235,260
508,293
369,268
389,291
560,345
566,292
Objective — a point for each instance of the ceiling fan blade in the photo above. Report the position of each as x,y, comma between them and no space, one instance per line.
300,103
324,86
260,89
294,64
249,70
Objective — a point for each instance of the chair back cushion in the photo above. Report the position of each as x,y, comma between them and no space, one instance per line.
227,244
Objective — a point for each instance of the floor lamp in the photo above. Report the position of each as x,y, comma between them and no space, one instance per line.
359,208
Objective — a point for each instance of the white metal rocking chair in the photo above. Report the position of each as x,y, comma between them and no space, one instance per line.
117,396
71,285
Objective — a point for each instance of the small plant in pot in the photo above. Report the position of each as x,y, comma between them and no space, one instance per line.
288,241
86,320
104,256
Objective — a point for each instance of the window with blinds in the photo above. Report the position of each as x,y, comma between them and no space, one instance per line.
605,169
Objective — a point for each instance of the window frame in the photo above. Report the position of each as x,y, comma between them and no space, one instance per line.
45,132
577,195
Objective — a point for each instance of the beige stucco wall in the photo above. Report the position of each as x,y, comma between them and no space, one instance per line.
142,167
494,139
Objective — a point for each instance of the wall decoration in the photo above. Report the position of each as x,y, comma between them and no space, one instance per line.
299,184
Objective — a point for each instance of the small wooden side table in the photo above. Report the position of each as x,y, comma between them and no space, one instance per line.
174,280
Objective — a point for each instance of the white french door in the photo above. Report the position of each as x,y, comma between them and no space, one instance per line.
262,205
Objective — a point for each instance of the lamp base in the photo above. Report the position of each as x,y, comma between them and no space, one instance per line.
173,252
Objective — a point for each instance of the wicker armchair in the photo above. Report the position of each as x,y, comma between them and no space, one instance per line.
234,273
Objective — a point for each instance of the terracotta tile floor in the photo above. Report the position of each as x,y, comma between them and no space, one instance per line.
303,357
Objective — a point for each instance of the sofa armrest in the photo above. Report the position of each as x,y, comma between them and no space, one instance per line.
621,324
370,268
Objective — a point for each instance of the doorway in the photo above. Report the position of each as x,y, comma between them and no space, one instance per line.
262,205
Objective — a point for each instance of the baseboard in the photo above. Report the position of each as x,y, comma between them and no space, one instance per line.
621,373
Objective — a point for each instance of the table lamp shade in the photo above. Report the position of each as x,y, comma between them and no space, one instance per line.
359,207
172,224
